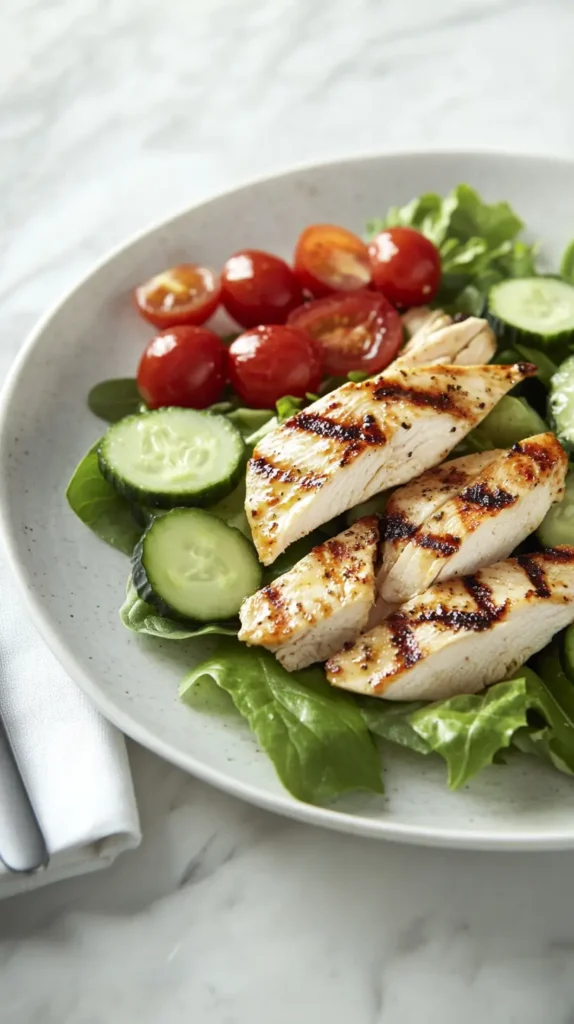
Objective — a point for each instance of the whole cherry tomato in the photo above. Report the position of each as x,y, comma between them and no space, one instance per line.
258,288
329,259
183,366
406,266
354,331
268,362
187,294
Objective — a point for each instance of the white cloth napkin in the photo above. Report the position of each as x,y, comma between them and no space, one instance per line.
74,763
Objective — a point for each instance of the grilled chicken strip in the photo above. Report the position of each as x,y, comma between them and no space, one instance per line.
321,603
467,513
362,439
465,634
467,343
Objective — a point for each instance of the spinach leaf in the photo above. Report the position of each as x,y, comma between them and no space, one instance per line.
314,735
96,503
232,510
248,421
111,400
141,617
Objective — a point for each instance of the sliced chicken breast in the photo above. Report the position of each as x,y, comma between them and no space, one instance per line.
468,513
321,603
463,635
362,439
466,343
424,319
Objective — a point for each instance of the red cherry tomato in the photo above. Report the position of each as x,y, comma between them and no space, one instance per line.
258,288
266,363
330,259
361,331
406,266
186,294
183,366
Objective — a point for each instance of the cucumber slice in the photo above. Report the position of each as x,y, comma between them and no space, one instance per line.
557,527
561,403
535,309
172,457
191,565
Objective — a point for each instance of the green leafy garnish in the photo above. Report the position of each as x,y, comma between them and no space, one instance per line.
478,243
96,503
248,421
471,730
511,420
232,510
141,617
567,263
111,400
314,735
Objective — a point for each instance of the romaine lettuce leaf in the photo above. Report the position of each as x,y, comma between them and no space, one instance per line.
141,617
315,736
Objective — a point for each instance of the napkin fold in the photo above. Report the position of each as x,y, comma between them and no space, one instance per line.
73,762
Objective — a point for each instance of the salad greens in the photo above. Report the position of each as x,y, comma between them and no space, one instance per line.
141,617
100,507
111,400
322,741
478,243
315,736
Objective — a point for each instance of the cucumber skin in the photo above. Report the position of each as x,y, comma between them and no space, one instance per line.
555,344
143,585
139,496
148,594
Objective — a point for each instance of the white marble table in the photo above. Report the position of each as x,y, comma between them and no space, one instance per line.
112,115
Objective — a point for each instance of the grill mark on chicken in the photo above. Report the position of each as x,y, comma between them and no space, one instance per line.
486,615
561,556
441,401
541,454
490,500
367,432
404,640
267,469
396,526
445,544
536,575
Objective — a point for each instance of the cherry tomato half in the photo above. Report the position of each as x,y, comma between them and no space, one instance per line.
183,366
406,266
258,288
360,331
186,294
268,362
330,259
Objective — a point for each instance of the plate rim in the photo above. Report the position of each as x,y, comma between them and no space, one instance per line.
282,803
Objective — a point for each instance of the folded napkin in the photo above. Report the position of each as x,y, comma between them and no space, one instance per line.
74,763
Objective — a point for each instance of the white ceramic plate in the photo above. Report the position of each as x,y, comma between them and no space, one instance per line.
75,583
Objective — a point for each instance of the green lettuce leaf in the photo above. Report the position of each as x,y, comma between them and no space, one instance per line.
511,420
567,263
232,510
99,507
315,736
141,617
534,713
478,243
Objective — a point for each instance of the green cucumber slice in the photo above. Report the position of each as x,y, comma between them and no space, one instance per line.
561,403
535,309
172,457
557,527
191,565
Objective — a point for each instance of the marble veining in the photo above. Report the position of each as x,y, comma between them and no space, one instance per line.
112,115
